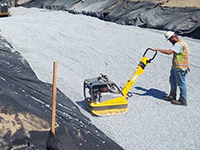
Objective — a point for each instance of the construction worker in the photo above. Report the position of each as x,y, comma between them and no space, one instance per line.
179,70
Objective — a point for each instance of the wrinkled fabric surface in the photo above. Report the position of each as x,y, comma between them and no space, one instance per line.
184,21
23,94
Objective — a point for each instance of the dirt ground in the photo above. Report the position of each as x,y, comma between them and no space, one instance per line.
176,3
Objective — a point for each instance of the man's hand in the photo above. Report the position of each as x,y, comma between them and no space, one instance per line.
153,49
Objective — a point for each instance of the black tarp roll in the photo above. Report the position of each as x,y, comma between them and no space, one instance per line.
25,105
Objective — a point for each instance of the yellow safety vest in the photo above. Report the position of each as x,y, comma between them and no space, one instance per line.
181,60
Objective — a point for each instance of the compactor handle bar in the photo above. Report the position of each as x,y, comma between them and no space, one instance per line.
153,55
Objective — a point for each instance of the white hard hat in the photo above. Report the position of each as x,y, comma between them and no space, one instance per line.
169,34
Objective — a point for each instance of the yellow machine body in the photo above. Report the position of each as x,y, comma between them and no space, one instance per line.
111,107
5,13
135,76
105,98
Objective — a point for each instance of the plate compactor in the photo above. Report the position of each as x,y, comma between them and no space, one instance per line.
103,97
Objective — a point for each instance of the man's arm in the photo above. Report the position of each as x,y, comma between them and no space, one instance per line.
164,51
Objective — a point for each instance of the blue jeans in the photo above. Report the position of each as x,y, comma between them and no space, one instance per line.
177,78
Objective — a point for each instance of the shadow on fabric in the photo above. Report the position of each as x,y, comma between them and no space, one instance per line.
150,92
82,105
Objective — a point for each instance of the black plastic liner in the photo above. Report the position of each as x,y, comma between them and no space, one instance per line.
96,8
184,21
53,4
21,92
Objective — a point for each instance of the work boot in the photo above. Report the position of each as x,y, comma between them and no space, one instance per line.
179,102
169,98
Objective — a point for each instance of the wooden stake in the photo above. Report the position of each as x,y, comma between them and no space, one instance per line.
54,91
